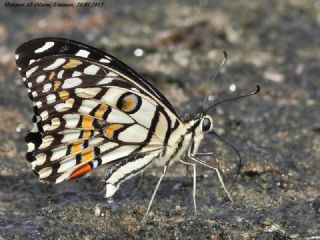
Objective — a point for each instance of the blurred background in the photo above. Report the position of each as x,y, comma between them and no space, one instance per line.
178,45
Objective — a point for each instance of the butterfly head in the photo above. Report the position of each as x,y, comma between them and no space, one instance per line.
201,124
206,123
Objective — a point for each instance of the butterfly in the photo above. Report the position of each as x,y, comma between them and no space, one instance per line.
91,109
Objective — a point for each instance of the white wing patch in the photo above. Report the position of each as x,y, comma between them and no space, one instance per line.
112,96
118,153
40,158
87,106
134,134
46,87
71,83
76,74
46,142
45,47
106,80
72,120
51,98
58,153
30,71
67,165
58,62
87,92
60,74
161,129
116,116
103,60
107,146
70,136
145,113
91,70
41,78
45,172
83,53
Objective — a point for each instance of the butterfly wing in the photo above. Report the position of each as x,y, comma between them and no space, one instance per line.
37,49
88,111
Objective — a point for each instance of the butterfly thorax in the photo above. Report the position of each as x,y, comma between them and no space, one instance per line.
187,135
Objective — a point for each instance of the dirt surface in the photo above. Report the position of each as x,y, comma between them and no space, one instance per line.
274,44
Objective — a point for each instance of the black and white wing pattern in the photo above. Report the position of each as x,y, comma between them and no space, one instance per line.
90,109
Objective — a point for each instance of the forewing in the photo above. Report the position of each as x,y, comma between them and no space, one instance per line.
37,49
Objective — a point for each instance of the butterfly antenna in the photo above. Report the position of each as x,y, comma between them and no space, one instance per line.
213,77
233,99
224,141
236,151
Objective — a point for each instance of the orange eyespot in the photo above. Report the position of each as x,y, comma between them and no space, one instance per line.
129,102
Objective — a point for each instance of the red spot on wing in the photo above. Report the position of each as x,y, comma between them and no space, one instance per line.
80,171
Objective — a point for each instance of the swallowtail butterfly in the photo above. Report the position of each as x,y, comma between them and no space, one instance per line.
91,109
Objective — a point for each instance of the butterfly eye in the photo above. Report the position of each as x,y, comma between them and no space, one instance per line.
206,124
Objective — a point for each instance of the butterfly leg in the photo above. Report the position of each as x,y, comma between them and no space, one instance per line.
139,185
216,169
156,188
210,154
203,154
194,184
